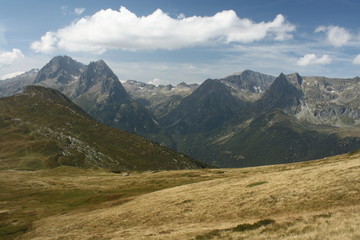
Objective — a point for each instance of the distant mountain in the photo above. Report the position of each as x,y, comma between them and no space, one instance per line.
219,122
208,107
60,71
161,99
244,119
276,137
17,84
285,93
41,128
331,101
96,89
248,85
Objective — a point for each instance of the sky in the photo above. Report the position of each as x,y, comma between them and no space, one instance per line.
173,41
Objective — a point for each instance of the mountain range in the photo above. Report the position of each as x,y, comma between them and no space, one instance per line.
42,128
94,87
244,119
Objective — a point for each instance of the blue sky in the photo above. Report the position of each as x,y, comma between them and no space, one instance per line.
168,41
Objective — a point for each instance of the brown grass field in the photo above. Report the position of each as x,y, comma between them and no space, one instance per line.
310,200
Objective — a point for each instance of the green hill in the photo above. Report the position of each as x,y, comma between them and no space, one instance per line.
41,128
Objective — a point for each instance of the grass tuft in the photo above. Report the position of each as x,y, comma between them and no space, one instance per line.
247,226
256,184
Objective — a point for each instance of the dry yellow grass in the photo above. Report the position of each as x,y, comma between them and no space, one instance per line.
312,200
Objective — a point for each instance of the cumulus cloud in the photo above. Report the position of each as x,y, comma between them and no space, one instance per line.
336,36
47,43
79,11
7,58
357,60
111,29
311,59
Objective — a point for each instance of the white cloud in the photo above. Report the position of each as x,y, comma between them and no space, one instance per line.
7,58
110,29
46,44
311,59
79,11
336,36
356,59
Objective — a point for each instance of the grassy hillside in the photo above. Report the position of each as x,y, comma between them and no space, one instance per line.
311,200
41,128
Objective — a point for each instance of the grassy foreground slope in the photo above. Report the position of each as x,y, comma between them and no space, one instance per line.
41,128
312,200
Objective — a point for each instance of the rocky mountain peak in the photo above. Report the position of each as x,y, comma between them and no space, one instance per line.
60,70
295,79
99,68
98,77
248,85
285,93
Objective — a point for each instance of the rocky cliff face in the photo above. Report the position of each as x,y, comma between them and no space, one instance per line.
248,85
331,101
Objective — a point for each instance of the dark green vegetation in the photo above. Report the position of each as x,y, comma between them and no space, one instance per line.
41,128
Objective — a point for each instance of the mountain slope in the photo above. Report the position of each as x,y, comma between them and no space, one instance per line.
266,127
313,200
276,137
42,128
331,101
285,93
208,107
